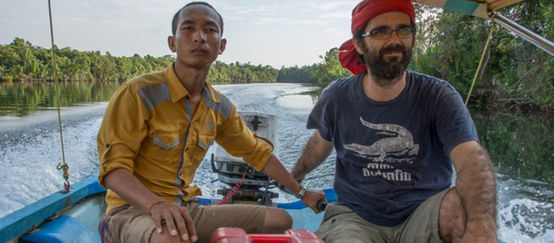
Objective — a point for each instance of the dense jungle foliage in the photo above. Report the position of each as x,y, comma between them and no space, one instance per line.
21,61
449,46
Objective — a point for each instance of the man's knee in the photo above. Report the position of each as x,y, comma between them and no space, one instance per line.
348,240
341,232
164,237
452,216
276,220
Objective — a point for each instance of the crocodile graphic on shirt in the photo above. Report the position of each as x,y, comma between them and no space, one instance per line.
400,143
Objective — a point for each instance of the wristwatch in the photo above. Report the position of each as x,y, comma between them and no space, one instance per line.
301,193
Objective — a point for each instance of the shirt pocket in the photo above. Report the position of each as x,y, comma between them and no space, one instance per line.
203,144
166,140
199,148
205,141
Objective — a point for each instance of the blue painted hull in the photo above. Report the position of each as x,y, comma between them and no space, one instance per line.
75,216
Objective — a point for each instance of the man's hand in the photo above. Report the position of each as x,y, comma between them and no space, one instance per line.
311,198
176,219
274,169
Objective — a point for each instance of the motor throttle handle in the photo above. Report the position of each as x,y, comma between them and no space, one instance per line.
321,205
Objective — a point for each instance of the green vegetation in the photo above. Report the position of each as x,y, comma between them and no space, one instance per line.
449,46
319,74
235,73
519,145
21,61
517,73
22,98
29,83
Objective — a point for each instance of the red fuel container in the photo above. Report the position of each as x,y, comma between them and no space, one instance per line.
238,235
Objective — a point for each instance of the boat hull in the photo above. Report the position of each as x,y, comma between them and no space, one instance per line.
74,217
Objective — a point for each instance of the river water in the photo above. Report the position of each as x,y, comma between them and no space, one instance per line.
521,148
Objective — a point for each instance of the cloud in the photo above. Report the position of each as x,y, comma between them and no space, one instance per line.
331,30
235,11
234,18
330,5
288,21
240,10
335,15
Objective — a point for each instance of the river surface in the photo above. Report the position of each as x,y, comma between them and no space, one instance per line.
522,149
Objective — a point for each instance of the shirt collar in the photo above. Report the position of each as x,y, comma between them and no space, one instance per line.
210,91
178,91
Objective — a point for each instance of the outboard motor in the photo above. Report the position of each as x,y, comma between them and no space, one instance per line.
234,171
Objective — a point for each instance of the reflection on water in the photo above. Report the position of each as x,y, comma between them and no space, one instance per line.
20,99
520,145
522,149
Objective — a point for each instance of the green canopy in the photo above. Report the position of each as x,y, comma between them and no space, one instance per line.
479,8
486,9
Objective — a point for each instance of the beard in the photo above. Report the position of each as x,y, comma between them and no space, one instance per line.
386,71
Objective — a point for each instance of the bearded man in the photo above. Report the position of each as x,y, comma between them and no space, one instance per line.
397,135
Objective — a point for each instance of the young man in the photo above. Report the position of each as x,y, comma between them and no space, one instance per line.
157,129
397,134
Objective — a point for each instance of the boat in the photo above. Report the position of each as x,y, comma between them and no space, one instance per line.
74,216
65,217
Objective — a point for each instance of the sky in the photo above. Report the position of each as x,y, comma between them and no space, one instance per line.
267,32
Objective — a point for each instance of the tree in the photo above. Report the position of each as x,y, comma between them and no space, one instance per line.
328,70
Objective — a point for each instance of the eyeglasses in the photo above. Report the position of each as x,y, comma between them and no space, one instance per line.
404,32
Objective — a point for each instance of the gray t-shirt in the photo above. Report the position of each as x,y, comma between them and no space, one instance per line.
391,156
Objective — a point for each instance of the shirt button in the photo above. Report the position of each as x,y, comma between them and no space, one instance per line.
107,145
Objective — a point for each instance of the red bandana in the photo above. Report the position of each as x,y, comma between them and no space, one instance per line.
361,14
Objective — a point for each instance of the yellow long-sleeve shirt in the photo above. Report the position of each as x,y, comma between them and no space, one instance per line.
149,130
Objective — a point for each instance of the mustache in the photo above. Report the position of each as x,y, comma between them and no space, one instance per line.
393,48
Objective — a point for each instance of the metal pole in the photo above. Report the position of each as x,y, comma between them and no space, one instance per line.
530,36
493,27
